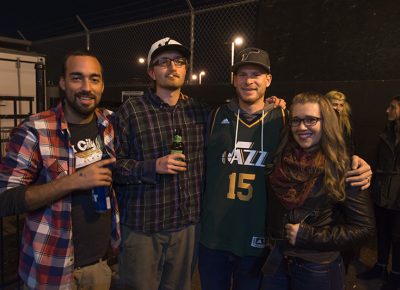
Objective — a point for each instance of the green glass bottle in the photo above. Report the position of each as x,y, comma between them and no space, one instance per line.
177,144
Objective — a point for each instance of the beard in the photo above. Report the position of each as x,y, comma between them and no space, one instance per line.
171,84
171,87
73,104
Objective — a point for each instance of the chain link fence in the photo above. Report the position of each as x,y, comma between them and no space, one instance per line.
119,47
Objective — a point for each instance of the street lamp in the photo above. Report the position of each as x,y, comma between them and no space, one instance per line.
202,73
194,77
141,60
237,41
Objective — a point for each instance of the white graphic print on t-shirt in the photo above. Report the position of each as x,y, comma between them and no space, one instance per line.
87,152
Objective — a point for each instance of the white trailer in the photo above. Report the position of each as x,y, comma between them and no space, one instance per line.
18,82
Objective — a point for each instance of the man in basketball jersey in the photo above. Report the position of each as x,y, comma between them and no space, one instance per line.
243,136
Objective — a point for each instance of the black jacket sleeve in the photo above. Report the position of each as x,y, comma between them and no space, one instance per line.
357,226
12,201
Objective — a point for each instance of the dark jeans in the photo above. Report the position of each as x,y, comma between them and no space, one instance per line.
388,235
218,268
297,274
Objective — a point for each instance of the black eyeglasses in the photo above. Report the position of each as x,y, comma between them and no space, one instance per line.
308,121
165,62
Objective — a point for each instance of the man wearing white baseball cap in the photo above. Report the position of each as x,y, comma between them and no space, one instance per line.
159,191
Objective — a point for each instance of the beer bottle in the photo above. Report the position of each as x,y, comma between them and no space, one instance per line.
177,144
101,194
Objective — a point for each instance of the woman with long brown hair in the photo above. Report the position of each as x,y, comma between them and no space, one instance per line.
308,193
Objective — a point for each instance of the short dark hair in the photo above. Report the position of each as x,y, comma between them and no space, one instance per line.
77,53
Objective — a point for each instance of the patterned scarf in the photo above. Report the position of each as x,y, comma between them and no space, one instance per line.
294,177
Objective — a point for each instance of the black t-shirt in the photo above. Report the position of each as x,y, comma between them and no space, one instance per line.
91,231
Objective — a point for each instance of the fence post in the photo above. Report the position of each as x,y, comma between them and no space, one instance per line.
40,69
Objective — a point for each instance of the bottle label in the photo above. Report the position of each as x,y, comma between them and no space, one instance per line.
108,202
101,198
177,139
176,151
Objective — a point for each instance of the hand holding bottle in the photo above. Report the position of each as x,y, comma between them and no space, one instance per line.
101,195
95,174
171,164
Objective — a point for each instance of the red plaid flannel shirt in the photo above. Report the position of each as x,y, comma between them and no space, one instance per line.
39,151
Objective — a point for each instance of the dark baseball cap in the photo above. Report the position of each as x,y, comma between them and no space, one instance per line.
254,56
165,44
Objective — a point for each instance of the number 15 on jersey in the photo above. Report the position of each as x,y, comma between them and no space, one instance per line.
240,186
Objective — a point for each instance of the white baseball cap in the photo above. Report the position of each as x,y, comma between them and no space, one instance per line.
163,45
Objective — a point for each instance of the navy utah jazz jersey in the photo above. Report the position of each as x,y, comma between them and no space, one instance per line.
234,203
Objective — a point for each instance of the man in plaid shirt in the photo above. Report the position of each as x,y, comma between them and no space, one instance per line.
53,162
159,192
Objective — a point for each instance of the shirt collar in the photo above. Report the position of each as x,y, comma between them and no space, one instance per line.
62,123
160,103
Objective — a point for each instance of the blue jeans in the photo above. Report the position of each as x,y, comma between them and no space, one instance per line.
218,268
297,274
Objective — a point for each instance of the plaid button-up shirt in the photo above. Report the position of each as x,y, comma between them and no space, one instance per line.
151,202
40,151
